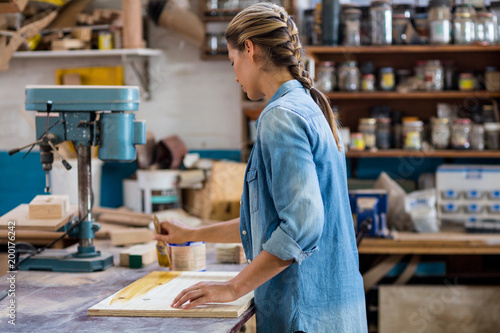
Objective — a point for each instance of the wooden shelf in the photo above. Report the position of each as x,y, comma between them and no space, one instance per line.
447,153
88,53
391,49
412,95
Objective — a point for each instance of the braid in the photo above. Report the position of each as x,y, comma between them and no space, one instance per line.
270,26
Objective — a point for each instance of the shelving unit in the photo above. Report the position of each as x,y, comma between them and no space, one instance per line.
355,105
444,153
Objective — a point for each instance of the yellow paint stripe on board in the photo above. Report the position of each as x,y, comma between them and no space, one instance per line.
143,285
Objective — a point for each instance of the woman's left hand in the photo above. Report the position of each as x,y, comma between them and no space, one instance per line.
205,292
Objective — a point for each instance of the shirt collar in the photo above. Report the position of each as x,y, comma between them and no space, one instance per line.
285,88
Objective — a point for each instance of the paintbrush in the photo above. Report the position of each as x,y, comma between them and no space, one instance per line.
161,246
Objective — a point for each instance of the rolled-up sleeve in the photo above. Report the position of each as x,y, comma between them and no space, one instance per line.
293,182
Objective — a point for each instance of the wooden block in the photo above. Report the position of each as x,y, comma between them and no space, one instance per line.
20,215
107,228
72,79
67,44
131,236
445,308
49,206
139,256
123,217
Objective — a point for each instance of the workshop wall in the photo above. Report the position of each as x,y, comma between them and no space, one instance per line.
197,100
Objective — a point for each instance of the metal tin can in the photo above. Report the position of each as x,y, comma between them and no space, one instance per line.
190,256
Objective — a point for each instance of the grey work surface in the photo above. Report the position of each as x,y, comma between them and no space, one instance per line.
58,302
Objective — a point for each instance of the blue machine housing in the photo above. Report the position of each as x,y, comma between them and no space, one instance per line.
91,115
376,211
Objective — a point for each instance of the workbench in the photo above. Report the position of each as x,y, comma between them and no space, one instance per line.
402,244
58,302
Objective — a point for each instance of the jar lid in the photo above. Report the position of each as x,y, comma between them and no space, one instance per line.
368,121
352,11
491,69
487,107
356,135
492,127
403,72
384,120
433,62
409,119
420,62
466,75
463,121
462,15
485,14
436,3
399,16
376,3
465,5
368,76
443,121
417,123
351,63
387,70
326,63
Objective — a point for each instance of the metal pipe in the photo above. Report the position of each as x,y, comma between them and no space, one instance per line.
84,193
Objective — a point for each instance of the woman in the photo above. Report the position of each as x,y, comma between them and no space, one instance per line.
295,221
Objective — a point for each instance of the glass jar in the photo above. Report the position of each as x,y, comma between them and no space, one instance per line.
466,82
399,24
464,26
495,10
450,75
492,135
368,127
439,22
387,79
477,137
420,70
412,134
440,132
381,22
383,134
368,82
460,133
422,27
325,76
212,43
349,76
486,27
434,75
351,19
213,5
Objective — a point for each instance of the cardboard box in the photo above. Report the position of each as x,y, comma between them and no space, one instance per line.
220,197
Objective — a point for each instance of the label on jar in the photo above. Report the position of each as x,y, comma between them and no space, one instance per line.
440,32
412,140
387,82
466,83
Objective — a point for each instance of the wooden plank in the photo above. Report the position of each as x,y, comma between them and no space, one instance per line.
441,95
48,207
432,243
152,295
391,49
107,228
439,153
439,309
121,216
138,256
20,214
130,236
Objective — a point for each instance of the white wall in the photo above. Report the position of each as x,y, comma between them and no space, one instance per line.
197,100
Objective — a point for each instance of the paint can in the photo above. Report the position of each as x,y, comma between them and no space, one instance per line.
190,256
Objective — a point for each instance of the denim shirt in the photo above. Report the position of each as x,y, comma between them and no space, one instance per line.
295,205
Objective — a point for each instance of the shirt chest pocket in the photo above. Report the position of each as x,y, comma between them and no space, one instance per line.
253,190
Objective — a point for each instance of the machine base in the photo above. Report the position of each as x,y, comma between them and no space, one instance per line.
64,261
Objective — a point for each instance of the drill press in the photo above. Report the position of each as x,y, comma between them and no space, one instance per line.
85,115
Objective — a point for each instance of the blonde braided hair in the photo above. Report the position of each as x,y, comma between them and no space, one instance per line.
270,27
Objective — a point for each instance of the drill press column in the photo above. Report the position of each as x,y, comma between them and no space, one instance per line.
85,202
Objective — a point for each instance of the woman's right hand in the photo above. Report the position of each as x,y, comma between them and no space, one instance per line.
174,231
